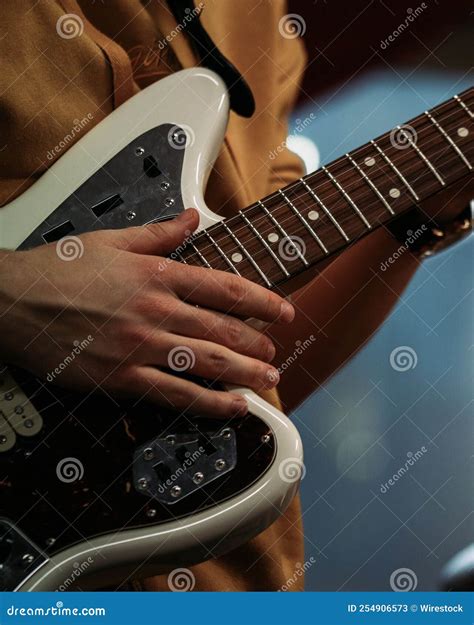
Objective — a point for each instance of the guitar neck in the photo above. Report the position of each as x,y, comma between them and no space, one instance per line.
304,223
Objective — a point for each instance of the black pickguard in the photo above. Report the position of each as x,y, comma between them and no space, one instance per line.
109,440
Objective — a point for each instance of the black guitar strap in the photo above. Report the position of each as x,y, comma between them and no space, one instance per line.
240,94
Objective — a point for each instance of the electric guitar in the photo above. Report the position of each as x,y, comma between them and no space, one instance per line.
117,488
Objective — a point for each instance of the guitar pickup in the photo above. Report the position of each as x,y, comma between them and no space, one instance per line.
16,410
172,467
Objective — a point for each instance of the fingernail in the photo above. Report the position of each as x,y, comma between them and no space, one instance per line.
187,215
239,407
287,312
271,352
273,377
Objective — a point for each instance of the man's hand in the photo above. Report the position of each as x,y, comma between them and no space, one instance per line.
139,310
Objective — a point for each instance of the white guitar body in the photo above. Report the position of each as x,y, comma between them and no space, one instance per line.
195,100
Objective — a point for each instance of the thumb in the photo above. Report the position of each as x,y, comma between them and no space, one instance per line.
162,238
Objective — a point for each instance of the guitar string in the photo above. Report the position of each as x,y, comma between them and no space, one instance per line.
334,193
358,183
300,227
263,218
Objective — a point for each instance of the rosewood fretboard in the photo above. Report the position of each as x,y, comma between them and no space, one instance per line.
296,227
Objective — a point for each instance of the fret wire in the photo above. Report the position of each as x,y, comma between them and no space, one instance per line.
181,259
448,138
421,155
265,244
396,170
283,232
325,209
372,185
227,260
431,189
249,257
448,113
465,107
201,256
347,196
304,222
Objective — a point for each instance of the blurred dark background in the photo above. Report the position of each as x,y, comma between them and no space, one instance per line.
369,419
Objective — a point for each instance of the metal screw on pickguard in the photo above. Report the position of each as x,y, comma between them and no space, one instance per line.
8,396
265,438
198,477
28,558
151,513
3,439
139,151
148,453
28,423
169,201
176,491
131,215
164,186
50,541
226,434
220,464
171,440
19,410
142,483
